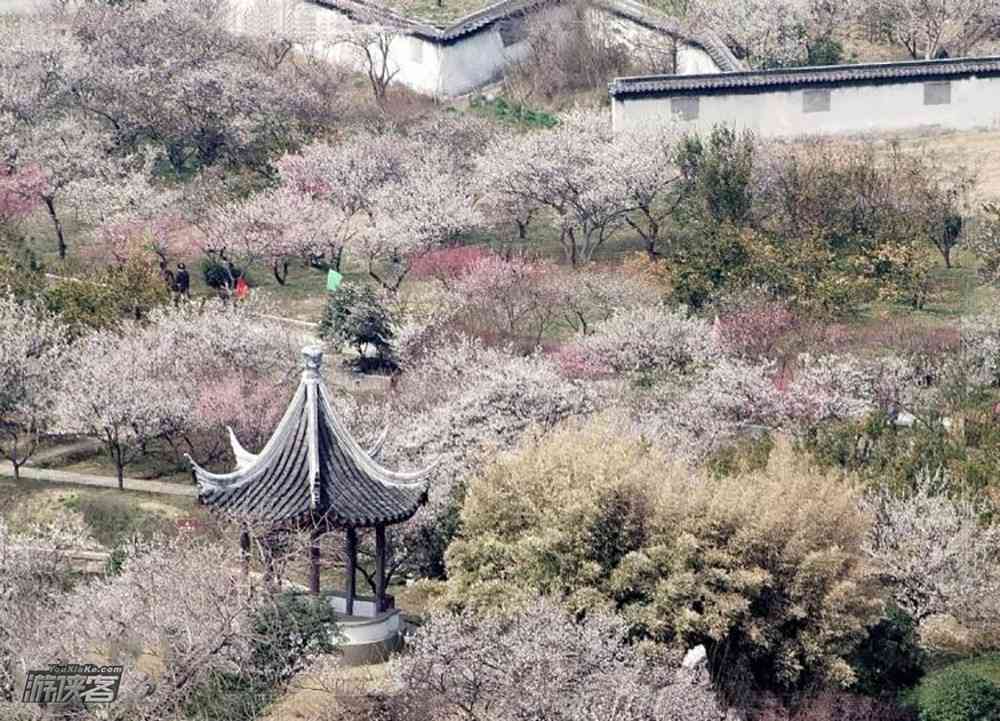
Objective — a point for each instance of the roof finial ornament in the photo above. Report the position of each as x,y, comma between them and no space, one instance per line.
313,360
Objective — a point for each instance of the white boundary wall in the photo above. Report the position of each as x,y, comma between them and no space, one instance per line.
438,68
959,102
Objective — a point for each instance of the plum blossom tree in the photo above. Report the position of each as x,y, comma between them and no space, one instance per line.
33,578
722,403
228,367
183,604
199,92
460,404
411,216
647,340
980,349
938,554
66,151
929,28
32,66
842,387
32,350
126,402
540,663
510,298
20,192
642,171
152,381
449,265
588,297
275,227
348,176
560,171
763,32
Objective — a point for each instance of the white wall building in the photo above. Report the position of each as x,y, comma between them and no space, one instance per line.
445,61
954,94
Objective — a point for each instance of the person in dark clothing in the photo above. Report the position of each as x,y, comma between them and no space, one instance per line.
182,281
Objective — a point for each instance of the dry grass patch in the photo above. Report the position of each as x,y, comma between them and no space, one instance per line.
328,692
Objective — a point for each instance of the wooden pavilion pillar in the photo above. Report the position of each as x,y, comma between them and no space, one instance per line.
314,562
351,570
379,569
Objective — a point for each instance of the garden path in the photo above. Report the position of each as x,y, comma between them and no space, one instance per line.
83,479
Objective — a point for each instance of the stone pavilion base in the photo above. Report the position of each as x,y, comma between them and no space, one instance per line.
369,640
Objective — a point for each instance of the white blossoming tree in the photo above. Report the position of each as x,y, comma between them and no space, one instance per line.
540,663
939,555
927,29
32,351
561,172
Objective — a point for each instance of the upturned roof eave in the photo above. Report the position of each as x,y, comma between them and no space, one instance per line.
308,417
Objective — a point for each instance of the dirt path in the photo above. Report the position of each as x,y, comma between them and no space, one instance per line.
81,479
84,447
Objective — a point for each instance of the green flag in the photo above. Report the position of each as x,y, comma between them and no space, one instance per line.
333,279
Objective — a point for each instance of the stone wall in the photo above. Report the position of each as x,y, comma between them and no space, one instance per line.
829,108
455,66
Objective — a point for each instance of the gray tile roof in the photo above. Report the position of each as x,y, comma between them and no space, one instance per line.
819,75
490,14
312,468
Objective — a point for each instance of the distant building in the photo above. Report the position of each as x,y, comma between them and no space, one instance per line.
955,94
446,59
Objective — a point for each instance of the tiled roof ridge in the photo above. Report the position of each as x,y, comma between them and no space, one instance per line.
706,39
809,75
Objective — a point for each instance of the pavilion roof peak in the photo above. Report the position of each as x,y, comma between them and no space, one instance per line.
312,465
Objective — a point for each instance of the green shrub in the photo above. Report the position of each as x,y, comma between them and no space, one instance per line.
356,316
890,659
513,113
764,568
878,451
826,50
20,270
958,694
824,226
128,291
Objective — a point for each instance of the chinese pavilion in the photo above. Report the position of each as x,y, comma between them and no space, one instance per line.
312,474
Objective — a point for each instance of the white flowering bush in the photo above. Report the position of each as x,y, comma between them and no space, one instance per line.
843,387
645,340
540,663
464,404
939,556
980,347
719,405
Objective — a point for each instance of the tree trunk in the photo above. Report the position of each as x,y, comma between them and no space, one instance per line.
280,275
119,468
60,236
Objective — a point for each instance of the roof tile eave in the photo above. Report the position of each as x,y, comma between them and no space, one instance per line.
635,85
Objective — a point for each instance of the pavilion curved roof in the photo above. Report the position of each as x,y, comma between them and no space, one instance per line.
313,468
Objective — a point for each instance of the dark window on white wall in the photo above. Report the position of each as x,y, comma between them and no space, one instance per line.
816,101
684,108
512,30
937,93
